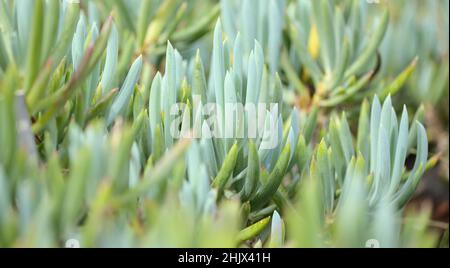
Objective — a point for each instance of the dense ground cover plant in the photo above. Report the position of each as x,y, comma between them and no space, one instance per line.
115,128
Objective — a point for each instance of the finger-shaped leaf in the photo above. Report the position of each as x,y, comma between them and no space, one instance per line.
382,169
370,48
385,227
274,180
399,81
218,69
345,137
310,125
400,152
238,66
169,92
112,50
208,151
74,198
323,16
69,25
274,38
351,223
24,17
276,231
8,133
125,15
78,42
126,91
226,170
302,154
232,114
198,78
51,23
34,53
406,191
119,172
155,104
198,28
363,137
418,117
325,175
341,63
252,178
252,231
374,129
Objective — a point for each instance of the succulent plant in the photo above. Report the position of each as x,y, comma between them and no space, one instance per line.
427,41
383,141
428,86
256,20
158,124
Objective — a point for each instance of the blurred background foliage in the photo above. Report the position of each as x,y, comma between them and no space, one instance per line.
85,146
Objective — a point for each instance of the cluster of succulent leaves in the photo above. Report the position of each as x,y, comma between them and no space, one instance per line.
426,37
86,89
